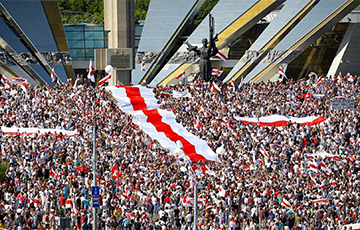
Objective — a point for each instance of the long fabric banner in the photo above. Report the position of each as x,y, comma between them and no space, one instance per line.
281,120
32,131
159,124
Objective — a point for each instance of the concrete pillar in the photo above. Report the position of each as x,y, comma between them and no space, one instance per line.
119,19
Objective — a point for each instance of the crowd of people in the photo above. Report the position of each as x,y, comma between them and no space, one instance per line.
309,180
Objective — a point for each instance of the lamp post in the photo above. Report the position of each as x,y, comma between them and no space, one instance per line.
94,166
195,204
108,69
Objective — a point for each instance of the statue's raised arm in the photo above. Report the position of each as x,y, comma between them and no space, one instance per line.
192,48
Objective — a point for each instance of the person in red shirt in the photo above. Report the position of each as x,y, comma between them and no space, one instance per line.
251,201
62,201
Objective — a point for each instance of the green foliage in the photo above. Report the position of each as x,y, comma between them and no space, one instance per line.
203,11
141,10
3,168
95,7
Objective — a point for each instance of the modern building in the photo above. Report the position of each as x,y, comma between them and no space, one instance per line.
33,42
258,36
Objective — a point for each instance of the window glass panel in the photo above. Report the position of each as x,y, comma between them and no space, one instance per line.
77,53
89,53
74,35
76,44
94,43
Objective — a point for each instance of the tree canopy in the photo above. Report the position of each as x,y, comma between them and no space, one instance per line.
96,7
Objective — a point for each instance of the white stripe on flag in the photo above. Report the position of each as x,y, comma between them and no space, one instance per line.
285,203
180,75
32,131
160,124
312,74
5,81
215,87
320,201
104,80
282,72
221,55
263,151
217,72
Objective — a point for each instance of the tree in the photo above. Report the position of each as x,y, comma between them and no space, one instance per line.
141,10
95,7
204,11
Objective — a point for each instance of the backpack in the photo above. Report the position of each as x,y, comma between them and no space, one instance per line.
127,222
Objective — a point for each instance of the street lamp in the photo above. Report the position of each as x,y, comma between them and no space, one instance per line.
193,175
94,166
95,191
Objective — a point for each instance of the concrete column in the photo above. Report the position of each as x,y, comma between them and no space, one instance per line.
119,19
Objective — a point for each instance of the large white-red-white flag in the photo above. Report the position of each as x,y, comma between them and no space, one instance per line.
180,75
104,80
320,201
159,124
282,72
222,55
91,75
5,81
115,171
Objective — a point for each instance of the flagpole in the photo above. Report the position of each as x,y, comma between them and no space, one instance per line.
195,204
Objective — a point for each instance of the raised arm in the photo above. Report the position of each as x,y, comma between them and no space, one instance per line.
192,48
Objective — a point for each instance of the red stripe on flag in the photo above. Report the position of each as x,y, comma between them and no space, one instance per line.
180,75
222,55
320,201
155,118
104,80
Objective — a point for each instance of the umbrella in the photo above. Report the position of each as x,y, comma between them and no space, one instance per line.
82,169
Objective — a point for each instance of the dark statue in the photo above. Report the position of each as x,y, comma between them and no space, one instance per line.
207,51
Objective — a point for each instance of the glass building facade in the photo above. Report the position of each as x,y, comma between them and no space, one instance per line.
83,39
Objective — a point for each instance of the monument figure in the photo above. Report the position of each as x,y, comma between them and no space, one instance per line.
207,51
